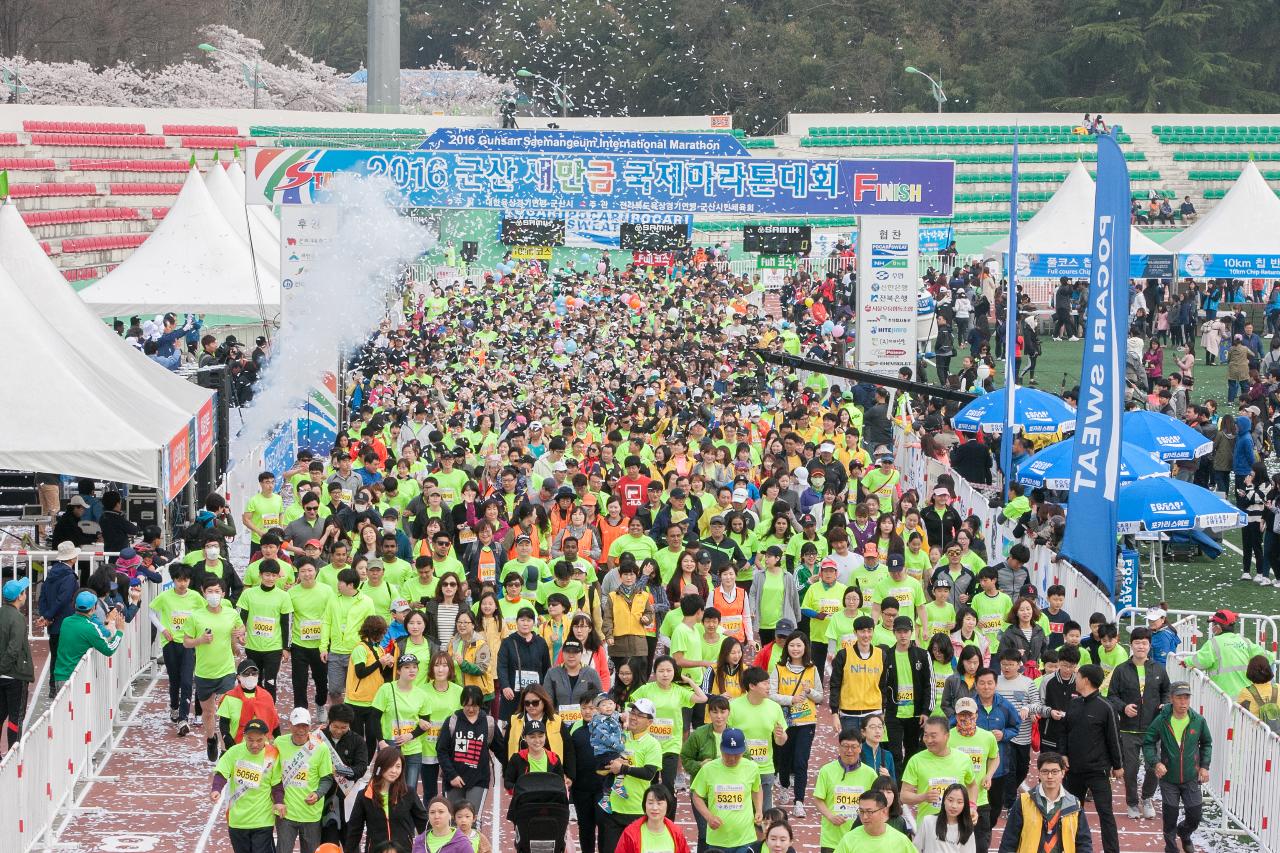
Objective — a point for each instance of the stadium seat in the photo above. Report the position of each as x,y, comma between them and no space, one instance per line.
146,188
98,140
82,127
199,130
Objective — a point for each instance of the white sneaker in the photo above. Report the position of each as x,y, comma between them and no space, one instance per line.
1246,577
1262,579
1074,338
1276,582
1148,809
797,811
1133,812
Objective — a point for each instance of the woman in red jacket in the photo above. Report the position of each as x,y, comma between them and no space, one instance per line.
654,825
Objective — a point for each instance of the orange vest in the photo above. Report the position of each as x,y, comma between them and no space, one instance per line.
608,533
731,621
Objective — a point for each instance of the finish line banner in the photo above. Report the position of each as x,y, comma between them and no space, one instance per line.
624,182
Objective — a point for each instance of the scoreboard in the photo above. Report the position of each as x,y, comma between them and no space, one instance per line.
653,236
776,239
532,231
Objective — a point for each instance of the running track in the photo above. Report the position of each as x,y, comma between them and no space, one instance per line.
154,796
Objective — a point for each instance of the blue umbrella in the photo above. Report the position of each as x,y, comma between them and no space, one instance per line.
1051,468
1035,412
1163,503
1167,437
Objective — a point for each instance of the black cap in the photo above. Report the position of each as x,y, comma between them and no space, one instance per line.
896,562
526,613
903,623
256,726
535,727
246,665
774,550
704,556
407,660
807,520
571,646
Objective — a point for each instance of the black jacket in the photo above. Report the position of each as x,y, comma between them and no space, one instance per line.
585,778
116,530
408,818
1058,695
1013,638
972,460
463,749
921,680
1092,735
941,530
1124,691
515,655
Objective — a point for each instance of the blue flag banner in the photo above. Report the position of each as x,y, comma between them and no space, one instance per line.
1010,331
1090,539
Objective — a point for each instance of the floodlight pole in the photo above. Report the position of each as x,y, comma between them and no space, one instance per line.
383,57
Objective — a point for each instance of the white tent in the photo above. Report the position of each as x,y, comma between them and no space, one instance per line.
1246,222
194,261
39,281
256,211
1063,229
266,248
73,414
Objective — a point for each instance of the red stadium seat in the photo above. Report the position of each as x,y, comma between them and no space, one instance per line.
146,188
35,218
223,143
15,164
82,127
51,189
200,130
99,140
116,164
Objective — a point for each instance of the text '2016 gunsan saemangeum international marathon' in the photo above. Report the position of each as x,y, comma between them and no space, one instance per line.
478,451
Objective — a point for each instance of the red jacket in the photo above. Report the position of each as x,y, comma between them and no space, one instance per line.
630,841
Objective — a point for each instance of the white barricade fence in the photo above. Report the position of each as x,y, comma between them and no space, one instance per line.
40,773
1246,757
35,566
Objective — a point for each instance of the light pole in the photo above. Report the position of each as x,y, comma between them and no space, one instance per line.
13,82
557,88
938,94
250,72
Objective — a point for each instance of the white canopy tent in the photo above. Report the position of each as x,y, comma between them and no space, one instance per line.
265,246
263,214
98,423
194,261
1058,240
1238,238
39,281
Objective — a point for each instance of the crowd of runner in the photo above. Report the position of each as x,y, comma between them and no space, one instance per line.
574,527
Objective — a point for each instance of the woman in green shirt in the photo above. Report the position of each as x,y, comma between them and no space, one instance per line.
672,704
971,560
840,624
441,698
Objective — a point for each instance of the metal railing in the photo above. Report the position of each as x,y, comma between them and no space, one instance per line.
41,772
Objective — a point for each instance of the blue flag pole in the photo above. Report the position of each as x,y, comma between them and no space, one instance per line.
1090,537
1010,329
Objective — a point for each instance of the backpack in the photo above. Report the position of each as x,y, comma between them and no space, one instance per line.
1267,710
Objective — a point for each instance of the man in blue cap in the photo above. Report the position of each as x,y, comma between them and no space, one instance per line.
80,633
727,794
16,670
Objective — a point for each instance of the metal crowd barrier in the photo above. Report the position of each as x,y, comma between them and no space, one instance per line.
40,773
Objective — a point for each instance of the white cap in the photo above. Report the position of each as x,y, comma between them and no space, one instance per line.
1156,613
740,494
535,425
299,717
827,447
645,706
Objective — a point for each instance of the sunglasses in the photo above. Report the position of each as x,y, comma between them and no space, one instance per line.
531,702
448,584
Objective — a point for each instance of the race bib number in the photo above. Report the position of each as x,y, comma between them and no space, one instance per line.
939,784
758,750
572,713
662,728
432,731
906,695
247,774
272,520
730,798
263,626
346,496
178,618
975,756
731,625
298,780
488,572
404,727
309,630
466,536
845,799
991,622
801,711
903,596
827,606
526,678
939,682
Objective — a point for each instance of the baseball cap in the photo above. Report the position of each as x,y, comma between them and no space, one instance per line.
644,706
943,582
1224,618
246,665
784,627
535,425
76,500
526,613
1180,688
733,742
571,646
807,520
407,660
313,543
828,563
523,540
15,588
902,623
739,494
774,550
86,600
704,556
535,727
941,492
1156,613
400,605
257,727
717,519
299,717
966,704
870,550
897,562
678,492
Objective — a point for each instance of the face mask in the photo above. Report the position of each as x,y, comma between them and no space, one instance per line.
212,553
389,526
818,483
213,598
249,682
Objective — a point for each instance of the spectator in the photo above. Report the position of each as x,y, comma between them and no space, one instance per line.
1188,210
1262,697
16,669
80,633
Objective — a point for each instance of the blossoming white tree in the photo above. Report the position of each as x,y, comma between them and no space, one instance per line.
225,77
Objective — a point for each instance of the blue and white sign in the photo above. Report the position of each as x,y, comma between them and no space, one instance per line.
1079,266
598,229
623,182
1127,589
584,142
936,238
1229,266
